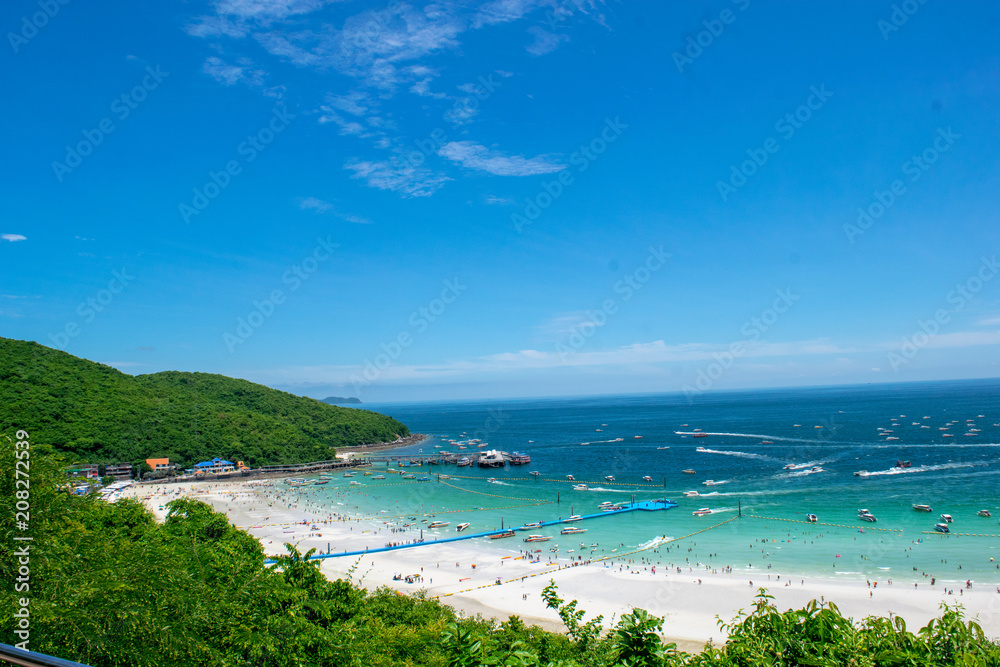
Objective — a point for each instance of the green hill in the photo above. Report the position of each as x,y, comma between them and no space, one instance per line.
103,415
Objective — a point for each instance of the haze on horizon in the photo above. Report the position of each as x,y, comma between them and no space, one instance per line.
412,201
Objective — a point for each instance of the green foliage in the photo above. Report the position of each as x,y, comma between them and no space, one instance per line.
93,412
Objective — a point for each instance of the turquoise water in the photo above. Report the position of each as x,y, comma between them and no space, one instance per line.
753,436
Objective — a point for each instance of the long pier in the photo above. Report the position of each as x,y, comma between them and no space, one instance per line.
642,506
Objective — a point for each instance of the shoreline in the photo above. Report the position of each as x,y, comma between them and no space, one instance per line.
464,574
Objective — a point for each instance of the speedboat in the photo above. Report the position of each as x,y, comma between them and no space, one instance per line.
862,473
572,530
355,483
710,482
812,518
535,473
690,494
647,478
947,518
580,487
379,477
790,466
816,469
462,526
606,503
702,512
537,538
348,474
985,513
570,477
438,524
575,517
688,471
506,533
609,478
942,528
922,508
529,526
865,515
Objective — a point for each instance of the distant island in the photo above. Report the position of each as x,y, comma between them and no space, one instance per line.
96,414
340,400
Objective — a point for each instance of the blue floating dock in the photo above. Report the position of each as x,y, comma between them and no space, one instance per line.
642,506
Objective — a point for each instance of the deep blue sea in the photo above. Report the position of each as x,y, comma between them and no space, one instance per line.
827,434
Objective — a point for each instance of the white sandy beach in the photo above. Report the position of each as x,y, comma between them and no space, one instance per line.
464,575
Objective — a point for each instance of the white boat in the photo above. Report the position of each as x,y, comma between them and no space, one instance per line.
862,473
700,449
867,517
537,538
702,512
570,477
605,504
922,508
535,473
609,478
379,477
691,494
812,518
575,517
572,530
356,483
816,469
942,528
985,513
580,487
462,526
529,526
438,524
947,518
790,466
348,474
710,482
647,478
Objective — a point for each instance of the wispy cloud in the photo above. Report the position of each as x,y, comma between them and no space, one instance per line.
13,238
229,75
324,207
476,156
397,176
990,322
545,41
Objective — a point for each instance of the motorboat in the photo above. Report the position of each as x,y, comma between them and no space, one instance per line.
700,449
947,518
379,477
423,479
647,478
942,528
688,471
529,526
575,517
462,526
605,504
570,477
985,513
867,517
355,483
902,464
691,494
922,508
537,538
710,482
812,518
348,474
498,536
535,473
572,530
790,466
862,473
702,512
609,478
444,476
816,469
322,481
701,435
580,487
409,476
438,524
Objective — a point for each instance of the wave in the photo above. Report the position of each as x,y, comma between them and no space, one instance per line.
811,464
797,473
655,542
930,468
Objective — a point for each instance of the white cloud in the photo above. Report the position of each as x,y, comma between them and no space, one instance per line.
989,322
545,41
397,176
476,156
229,75
13,238
494,200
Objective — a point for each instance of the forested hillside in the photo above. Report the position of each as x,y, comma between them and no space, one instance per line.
102,415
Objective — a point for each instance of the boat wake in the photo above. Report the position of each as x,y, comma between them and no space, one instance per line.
598,442
656,541
742,455
811,464
797,473
813,441
906,471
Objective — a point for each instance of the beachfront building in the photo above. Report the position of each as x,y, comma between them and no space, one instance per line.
119,471
213,467
157,465
85,470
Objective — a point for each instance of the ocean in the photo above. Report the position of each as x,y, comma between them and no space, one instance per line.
774,456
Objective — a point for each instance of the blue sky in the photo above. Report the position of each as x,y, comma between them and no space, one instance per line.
410,201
